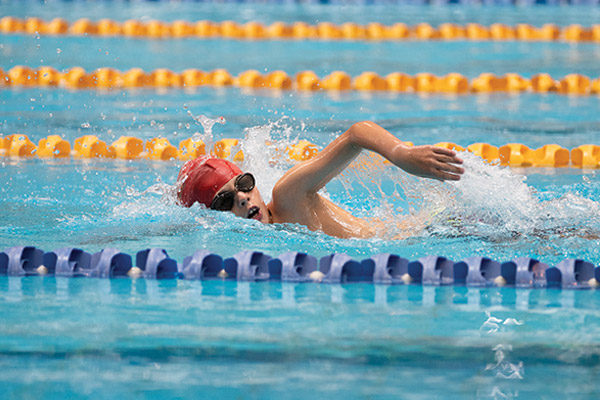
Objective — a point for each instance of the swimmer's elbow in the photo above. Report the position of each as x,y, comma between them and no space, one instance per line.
362,134
358,130
361,127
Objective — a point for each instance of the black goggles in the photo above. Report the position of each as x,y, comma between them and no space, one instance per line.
224,201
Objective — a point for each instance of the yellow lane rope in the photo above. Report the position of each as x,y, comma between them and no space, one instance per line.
18,146
299,30
455,83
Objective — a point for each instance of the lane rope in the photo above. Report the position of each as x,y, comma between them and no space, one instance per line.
253,266
160,149
254,30
452,83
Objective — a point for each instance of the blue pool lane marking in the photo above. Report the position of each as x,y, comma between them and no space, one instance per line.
252,266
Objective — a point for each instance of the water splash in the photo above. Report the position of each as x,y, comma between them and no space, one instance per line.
491,206
264,149
207,124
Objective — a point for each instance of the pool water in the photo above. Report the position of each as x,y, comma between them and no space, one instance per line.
81,338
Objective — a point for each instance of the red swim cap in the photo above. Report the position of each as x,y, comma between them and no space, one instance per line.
202,178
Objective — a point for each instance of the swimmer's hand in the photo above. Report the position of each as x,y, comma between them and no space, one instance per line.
428,162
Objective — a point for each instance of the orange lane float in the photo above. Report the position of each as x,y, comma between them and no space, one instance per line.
551,155
400,82
488,82
106,78
128,147
251,78
76,78
21,76
575,84
181,29
477,32
194,77
18,145
279,30
53,146
157,29
163,77
543,83
254,30
549,32
337,80
369,81
425,82
484,150
452,83
424,31
516,83
90,146
108,27
160,149
10,24
352,31
58,26
83,27
516,155
224,147
278,80
220,77
577,33
502,32
190,149
48,76
586,156
135,77
301,151
307,80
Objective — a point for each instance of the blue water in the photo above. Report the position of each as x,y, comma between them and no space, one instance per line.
81,338
90,338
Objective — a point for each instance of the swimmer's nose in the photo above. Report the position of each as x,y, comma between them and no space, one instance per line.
243,199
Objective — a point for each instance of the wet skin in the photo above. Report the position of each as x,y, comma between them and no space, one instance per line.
295,198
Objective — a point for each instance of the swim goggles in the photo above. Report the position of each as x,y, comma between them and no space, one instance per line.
224,201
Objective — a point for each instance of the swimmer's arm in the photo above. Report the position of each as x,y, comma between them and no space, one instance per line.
426,161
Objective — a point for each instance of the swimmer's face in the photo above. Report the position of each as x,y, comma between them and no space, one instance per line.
246,203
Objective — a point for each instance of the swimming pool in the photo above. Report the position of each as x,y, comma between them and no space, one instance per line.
154,339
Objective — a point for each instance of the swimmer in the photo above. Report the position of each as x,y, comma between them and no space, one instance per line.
221,185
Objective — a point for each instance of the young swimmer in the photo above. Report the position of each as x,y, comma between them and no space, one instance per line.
221,185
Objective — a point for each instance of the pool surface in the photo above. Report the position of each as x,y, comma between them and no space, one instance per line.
141,338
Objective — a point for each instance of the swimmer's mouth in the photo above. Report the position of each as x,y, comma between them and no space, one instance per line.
253,212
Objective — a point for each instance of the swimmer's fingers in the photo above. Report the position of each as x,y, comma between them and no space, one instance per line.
446,176
446,155
449,166
429,162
